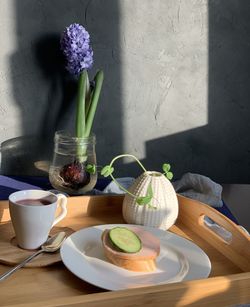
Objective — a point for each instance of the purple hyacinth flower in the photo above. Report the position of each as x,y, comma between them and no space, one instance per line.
75,44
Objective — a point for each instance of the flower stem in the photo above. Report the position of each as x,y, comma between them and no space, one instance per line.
94,101
80,114
80,108
88,95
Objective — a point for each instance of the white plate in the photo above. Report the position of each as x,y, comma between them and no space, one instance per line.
179,260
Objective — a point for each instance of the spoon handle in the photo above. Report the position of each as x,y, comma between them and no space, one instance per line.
20,265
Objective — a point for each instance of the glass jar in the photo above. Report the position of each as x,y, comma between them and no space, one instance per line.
73,169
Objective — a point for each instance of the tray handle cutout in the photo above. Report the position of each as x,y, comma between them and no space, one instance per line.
235,247
216,229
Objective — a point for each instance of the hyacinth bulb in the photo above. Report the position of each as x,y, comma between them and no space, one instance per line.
75,175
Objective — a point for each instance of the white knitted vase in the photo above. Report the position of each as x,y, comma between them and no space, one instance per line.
164,200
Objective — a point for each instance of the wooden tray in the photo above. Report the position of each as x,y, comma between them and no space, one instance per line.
11,254
228,284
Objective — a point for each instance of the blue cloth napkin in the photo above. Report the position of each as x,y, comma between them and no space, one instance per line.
9,185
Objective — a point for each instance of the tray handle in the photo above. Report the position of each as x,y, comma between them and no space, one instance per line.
236,246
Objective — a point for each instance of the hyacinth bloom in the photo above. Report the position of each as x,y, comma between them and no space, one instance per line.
75,45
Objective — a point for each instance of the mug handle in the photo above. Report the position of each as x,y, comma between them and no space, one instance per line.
62,202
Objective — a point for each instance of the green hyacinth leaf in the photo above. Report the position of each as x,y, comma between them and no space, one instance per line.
169,175
166,167
90,168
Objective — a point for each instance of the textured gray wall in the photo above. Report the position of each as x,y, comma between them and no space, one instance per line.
176,82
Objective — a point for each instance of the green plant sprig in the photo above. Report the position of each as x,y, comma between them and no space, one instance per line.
142,200
166,169
109,169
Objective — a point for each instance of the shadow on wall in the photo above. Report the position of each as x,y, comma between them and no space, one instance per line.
221,149
45,93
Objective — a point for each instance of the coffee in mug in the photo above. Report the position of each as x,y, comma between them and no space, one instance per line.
34,202
33,213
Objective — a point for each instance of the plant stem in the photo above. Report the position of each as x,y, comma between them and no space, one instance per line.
128,155
80,108
113,178
80,114
121,187
94,101
88,97
88,103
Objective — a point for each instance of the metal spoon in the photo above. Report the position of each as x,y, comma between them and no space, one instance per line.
50,246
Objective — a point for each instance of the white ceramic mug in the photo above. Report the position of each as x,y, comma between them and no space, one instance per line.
33,213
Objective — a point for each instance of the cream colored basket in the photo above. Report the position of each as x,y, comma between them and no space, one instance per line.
164,201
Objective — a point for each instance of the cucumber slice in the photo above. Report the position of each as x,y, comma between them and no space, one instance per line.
126,240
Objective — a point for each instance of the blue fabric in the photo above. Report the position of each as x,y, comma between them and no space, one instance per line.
12,184
225,210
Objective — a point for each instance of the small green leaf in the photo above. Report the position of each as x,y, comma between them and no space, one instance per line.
166,167
152,207
111,170
105,175
169,175
143,200
104,169
90,168
107,170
